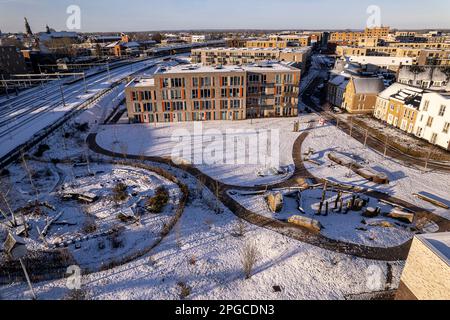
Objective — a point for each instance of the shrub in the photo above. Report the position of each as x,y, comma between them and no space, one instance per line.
4,173
157,203
76,295
192,260
249,257
120,192
83,127
239,229
89,226
41,149
115,238
185,290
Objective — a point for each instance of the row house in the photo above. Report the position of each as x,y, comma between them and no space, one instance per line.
398,106
433,119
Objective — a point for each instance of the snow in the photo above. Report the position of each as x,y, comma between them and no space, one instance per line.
301,270
342,227
38,108
156,140
404,180
103,213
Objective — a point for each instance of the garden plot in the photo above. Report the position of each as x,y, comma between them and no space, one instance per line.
102,213
404,181
151,140
337,223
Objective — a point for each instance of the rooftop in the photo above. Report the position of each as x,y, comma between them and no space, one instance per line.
199,68
285,50
439,243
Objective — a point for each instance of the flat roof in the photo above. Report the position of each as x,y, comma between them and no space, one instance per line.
439,243
286,50
198,68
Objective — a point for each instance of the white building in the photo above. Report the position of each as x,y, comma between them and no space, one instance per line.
390,63
433,121
199,38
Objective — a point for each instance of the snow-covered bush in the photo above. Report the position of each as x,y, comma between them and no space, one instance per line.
249,258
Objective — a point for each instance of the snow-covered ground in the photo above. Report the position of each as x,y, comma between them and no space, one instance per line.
89,225
20,120
158,140
339,226
404,180
203,253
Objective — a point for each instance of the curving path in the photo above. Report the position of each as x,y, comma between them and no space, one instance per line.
298,178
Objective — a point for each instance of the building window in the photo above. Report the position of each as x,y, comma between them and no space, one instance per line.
442,111
446,127
433,138
137,107
148,107
426,105
430,122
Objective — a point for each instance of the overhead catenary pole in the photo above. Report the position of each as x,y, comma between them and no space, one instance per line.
367,136
62,95
84,82
6,86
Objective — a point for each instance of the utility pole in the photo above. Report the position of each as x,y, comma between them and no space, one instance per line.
62,95
109,74
385,146
365,139
351,126
6,86
428,159
84,82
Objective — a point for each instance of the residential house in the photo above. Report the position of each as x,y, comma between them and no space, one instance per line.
361,94
433,119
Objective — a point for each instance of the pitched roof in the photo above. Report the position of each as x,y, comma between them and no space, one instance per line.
368,85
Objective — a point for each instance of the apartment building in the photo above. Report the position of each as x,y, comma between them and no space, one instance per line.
300,40
398,106
377,32
198,93
426,275
351,37
378,51
241,56
280,44
11,61
433,120
421,45
361,94
434,58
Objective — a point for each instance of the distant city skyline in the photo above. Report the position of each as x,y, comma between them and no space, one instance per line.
150,15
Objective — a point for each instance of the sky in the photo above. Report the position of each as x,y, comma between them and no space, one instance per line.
150,15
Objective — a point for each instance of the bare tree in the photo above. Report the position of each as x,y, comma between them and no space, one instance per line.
4,197
30,174
249,257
